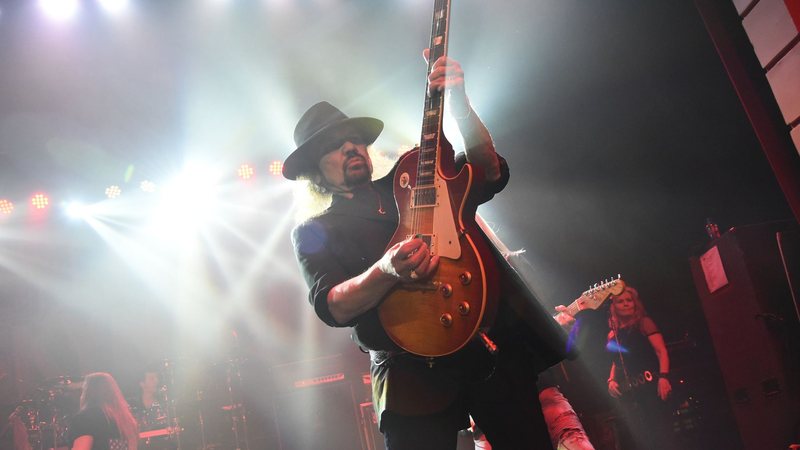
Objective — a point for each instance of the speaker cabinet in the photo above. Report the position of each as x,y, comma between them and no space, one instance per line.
743,287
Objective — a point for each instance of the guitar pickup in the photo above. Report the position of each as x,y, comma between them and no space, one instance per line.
426,238
424,196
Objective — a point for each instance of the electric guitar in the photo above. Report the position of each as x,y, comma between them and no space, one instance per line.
439,316
594,297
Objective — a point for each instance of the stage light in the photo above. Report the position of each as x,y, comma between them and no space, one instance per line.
188,201
59,9
614,347
113,191
148,186
76,210
276,168
6,206
40,201
246,171
114,6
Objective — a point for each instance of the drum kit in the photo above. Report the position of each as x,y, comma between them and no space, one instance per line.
45,414
202,409
204,406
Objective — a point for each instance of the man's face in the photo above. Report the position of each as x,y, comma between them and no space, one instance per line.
347,164
150,382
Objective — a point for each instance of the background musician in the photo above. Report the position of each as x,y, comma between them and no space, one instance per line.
104,421
150,412
639,375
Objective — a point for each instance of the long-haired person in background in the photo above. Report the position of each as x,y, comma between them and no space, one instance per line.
104,421
639,375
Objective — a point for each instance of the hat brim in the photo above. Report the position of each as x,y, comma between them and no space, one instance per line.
305,158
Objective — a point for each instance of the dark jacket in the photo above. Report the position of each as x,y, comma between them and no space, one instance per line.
349,237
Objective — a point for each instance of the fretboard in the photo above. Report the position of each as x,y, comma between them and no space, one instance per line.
434,108
574,308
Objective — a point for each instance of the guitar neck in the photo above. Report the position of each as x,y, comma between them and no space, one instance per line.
595,296
434,101
574,308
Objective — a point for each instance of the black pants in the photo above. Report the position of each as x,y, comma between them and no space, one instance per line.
505,407
646,421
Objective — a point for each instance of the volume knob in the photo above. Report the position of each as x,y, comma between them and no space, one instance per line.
446,320
446,290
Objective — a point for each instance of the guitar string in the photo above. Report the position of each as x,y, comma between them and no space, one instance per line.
418,222
431,100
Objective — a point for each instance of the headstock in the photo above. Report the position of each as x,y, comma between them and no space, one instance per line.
594,297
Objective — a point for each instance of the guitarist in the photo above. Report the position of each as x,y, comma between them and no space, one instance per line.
421,403
639,374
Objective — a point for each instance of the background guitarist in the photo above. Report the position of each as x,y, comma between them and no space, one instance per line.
421,402
639,374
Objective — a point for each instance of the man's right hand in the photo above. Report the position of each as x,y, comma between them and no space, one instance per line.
409,260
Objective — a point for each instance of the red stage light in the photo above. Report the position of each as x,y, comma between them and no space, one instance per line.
246,171
40,201
6,207
276,168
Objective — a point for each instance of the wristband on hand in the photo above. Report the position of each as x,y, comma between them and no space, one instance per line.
664,375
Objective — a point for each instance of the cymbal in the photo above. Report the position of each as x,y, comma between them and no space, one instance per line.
63,382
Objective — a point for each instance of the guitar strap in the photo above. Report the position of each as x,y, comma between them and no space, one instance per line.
615,329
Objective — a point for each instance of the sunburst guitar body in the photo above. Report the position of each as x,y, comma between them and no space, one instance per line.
438,316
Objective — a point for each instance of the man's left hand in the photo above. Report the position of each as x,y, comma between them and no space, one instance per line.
563,318
446,73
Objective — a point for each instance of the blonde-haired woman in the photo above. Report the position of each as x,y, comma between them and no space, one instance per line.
639,374
104,421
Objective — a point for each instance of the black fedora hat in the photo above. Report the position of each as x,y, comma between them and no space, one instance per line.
317,126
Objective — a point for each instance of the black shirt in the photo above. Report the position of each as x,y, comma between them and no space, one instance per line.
93,422
347,238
